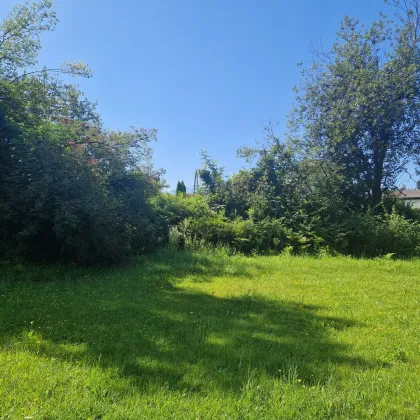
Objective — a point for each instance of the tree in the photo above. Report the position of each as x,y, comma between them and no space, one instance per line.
358,105
69,188
20,41
181,188
210,174
274,178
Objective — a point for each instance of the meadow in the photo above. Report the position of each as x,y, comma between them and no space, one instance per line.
202,335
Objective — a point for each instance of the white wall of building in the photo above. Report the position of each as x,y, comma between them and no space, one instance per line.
414,203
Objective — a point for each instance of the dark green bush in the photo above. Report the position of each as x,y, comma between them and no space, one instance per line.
372,234
71,201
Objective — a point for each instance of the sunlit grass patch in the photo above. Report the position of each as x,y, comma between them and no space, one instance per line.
204,335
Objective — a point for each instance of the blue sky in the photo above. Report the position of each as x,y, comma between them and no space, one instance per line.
206,74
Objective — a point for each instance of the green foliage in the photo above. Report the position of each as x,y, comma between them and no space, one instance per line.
405,235
69,189
181,188
20,30
353,132
72,190
357,105
269,235
211,175
273,181
196,223
370,234
213,229
392,203
74,202
174,209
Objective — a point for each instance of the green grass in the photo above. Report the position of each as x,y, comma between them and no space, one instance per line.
204,336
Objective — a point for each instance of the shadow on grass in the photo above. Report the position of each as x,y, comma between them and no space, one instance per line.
137,319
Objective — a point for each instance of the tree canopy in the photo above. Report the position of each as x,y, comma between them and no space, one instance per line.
69,188
181,188
73,190
358,104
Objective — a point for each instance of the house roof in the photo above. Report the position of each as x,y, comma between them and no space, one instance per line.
409,194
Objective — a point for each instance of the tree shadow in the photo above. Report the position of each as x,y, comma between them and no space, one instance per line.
155,332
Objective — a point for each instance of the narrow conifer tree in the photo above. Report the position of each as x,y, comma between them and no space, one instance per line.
180,188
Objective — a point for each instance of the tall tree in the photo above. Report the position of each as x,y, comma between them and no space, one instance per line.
274,178
211,175
68,187
181,188
358,106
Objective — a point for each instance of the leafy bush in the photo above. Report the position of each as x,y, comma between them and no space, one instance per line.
69,189
404,235
212,229
246,236
64,200
371,234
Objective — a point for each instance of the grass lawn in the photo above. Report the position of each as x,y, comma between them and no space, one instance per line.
204,336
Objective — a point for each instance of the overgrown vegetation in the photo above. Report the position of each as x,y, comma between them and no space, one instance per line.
199,329
71,190
329,187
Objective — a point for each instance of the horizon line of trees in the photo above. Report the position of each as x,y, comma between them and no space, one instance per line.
71,190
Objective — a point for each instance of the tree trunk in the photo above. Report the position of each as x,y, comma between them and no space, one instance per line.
379,153
377,187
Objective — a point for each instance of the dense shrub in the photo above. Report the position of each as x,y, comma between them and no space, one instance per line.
74,191
174,208
69,188
214,229
371,234
190,218
67,199
404,235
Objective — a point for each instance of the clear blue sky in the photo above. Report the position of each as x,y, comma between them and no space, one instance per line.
206,74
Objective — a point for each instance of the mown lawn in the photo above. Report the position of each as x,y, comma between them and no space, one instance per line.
204,336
